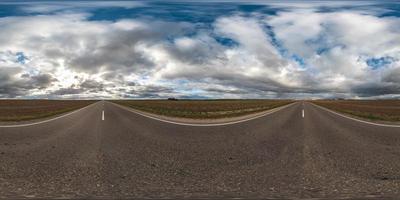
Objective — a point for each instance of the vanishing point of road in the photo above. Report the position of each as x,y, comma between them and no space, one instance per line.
107,151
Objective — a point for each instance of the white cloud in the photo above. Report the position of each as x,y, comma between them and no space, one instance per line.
254,64
335,46
69,56
74,49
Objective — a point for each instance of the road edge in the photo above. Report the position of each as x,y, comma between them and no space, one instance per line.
354,118
46,120
171,120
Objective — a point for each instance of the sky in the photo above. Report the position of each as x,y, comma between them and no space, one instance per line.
199,49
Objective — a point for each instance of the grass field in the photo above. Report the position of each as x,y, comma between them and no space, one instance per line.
203,109
19,110
383,110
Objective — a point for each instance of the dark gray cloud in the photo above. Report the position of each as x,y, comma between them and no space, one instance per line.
41,81
116,50
225,91
87,86
68,91
377,89
14,85
151,89
91,84
392,76
148,91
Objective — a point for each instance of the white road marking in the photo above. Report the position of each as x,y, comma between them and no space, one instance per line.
358,120
216,124
102,116
45,121
302,113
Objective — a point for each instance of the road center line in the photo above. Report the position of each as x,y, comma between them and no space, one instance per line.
102,116
302,113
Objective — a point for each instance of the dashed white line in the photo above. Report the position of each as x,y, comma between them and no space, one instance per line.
302,113
102,116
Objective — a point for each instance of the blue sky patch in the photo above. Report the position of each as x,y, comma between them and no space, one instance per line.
21,58
299,60
376,63
226,41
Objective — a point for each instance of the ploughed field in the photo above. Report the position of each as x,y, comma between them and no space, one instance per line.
382,110
19,110
203,109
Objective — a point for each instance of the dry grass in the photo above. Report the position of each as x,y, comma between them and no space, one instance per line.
203,109
19,110
383,110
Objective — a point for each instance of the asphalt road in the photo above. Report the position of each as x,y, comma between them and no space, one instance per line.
126,155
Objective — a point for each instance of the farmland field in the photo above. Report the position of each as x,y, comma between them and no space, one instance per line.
382,110
19,110
203,109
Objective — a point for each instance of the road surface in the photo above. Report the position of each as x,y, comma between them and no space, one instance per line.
105,151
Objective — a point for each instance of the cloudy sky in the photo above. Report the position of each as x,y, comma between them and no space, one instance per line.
199,49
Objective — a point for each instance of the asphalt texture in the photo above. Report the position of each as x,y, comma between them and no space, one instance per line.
126,155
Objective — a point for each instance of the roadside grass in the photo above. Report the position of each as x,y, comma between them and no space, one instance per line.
22,110
374,110
203,109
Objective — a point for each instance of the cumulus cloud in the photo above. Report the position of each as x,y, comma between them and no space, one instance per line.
13,84
253,65
69,46
15,81
298,52
335,48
